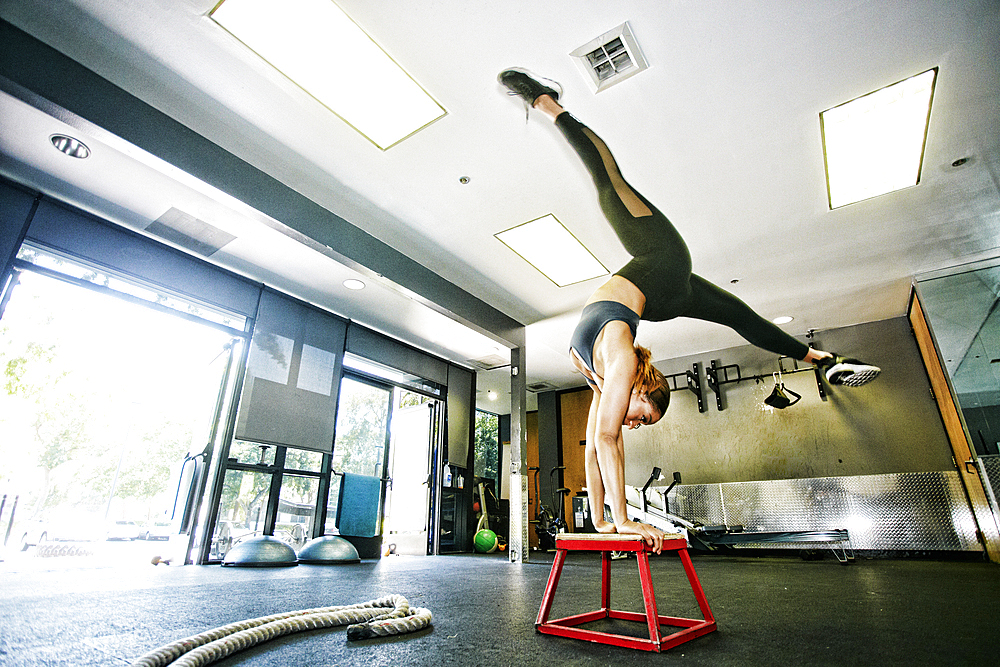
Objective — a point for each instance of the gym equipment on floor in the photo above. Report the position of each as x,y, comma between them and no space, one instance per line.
606,544
390,615
261,551
328,550
549,522
714,538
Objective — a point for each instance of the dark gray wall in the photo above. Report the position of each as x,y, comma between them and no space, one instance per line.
15,211
548,445
890,425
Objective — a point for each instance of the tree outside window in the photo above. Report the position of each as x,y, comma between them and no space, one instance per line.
487,445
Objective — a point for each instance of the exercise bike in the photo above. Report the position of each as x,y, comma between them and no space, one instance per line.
549,523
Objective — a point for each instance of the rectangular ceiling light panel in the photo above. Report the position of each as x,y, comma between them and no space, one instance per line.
316,45
874,144
549,247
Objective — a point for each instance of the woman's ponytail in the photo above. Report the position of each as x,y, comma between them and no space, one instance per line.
650,381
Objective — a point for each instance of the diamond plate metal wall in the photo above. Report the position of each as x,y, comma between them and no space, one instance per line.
903,511
517,542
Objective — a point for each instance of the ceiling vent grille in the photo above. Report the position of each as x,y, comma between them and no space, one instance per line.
539,387
489,362
189,232
611,58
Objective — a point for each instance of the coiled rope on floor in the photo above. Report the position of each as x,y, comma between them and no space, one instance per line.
390,615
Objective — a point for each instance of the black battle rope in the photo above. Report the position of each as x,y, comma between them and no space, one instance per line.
391,615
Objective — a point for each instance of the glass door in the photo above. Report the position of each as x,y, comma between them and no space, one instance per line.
360,451
191,478
963,309
410,455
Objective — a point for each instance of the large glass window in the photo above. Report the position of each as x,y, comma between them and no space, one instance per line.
246,501
296,508
48,260
396,377
242,510
963,310
487,445
101,400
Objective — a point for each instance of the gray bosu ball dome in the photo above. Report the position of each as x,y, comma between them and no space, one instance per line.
262,551
328,550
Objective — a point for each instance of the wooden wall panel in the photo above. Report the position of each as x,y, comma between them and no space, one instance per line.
573,410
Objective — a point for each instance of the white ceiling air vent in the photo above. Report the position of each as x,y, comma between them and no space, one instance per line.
489,362
612,57
189,232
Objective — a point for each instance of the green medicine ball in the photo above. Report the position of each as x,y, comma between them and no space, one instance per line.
486,541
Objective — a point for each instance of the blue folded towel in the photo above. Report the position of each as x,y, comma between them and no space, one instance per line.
358,505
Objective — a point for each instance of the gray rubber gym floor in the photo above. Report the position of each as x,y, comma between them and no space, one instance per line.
770,611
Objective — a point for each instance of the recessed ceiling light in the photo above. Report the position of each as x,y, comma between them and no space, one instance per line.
70,146
353,283
874,144
549,247
320,48
784,319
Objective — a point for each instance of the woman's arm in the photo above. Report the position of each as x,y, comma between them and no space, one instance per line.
620,367
595,485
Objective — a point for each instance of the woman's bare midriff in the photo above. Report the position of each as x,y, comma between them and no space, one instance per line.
582,367
621,290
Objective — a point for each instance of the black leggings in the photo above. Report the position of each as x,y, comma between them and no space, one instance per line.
661,264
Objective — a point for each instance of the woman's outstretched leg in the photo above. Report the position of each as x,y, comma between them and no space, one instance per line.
640,227
661,265
714,304
661,268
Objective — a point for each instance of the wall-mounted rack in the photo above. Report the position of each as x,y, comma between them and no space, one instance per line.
811,367
693,381
718,375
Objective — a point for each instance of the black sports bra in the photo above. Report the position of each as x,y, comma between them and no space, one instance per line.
594,318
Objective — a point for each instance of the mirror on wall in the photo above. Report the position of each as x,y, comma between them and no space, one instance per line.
962,308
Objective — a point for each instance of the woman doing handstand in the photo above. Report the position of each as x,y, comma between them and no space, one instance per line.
656,285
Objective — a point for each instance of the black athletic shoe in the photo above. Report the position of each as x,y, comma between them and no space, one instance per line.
527,86
850,372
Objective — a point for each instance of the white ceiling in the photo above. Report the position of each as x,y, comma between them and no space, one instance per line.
721,133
